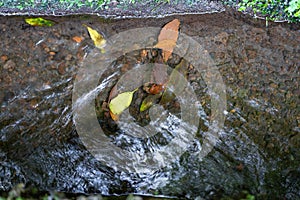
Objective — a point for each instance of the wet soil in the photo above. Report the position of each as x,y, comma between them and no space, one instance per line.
257,151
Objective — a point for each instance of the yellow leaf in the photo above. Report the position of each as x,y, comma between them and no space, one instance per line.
98,39
38,21
118,104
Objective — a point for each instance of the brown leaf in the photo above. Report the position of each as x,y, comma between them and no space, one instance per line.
156,88
113,93
77,39
167,38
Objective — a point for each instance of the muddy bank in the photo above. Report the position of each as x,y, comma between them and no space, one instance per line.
116,9
256,151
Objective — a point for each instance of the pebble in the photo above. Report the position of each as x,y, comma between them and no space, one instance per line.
61,68
4,58
222,37
273,85
47,49
69,57
9,65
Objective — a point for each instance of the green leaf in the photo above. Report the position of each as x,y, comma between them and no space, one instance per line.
149,101
39,22
118,104
242,8
250,197
294,5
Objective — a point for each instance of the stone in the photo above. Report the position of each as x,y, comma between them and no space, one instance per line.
9,65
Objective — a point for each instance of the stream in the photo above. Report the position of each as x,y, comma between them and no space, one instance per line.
232,126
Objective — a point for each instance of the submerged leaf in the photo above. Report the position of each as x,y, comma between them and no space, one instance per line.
153,88
113,93
77,39
167,38
156,88
98,39
118,104
113,116
167,96
39,22
149,101
176,79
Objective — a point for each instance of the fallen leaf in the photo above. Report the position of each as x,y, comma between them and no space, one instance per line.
149,101
233,111
153,88
39,22
77,39
113,93
167,96
156,88
176,79
167,38
118,104
113,116
98,39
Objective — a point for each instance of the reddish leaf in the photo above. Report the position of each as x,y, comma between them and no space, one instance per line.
77,39
156,89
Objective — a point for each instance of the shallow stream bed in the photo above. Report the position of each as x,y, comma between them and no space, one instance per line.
257,150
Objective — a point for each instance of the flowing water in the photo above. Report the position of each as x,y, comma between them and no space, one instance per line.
231,125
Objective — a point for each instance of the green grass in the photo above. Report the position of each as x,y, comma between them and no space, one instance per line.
273,10
53,4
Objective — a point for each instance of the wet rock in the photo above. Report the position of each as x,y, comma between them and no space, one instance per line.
47,49
61,68
222,38
69,57
9,65
8,95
